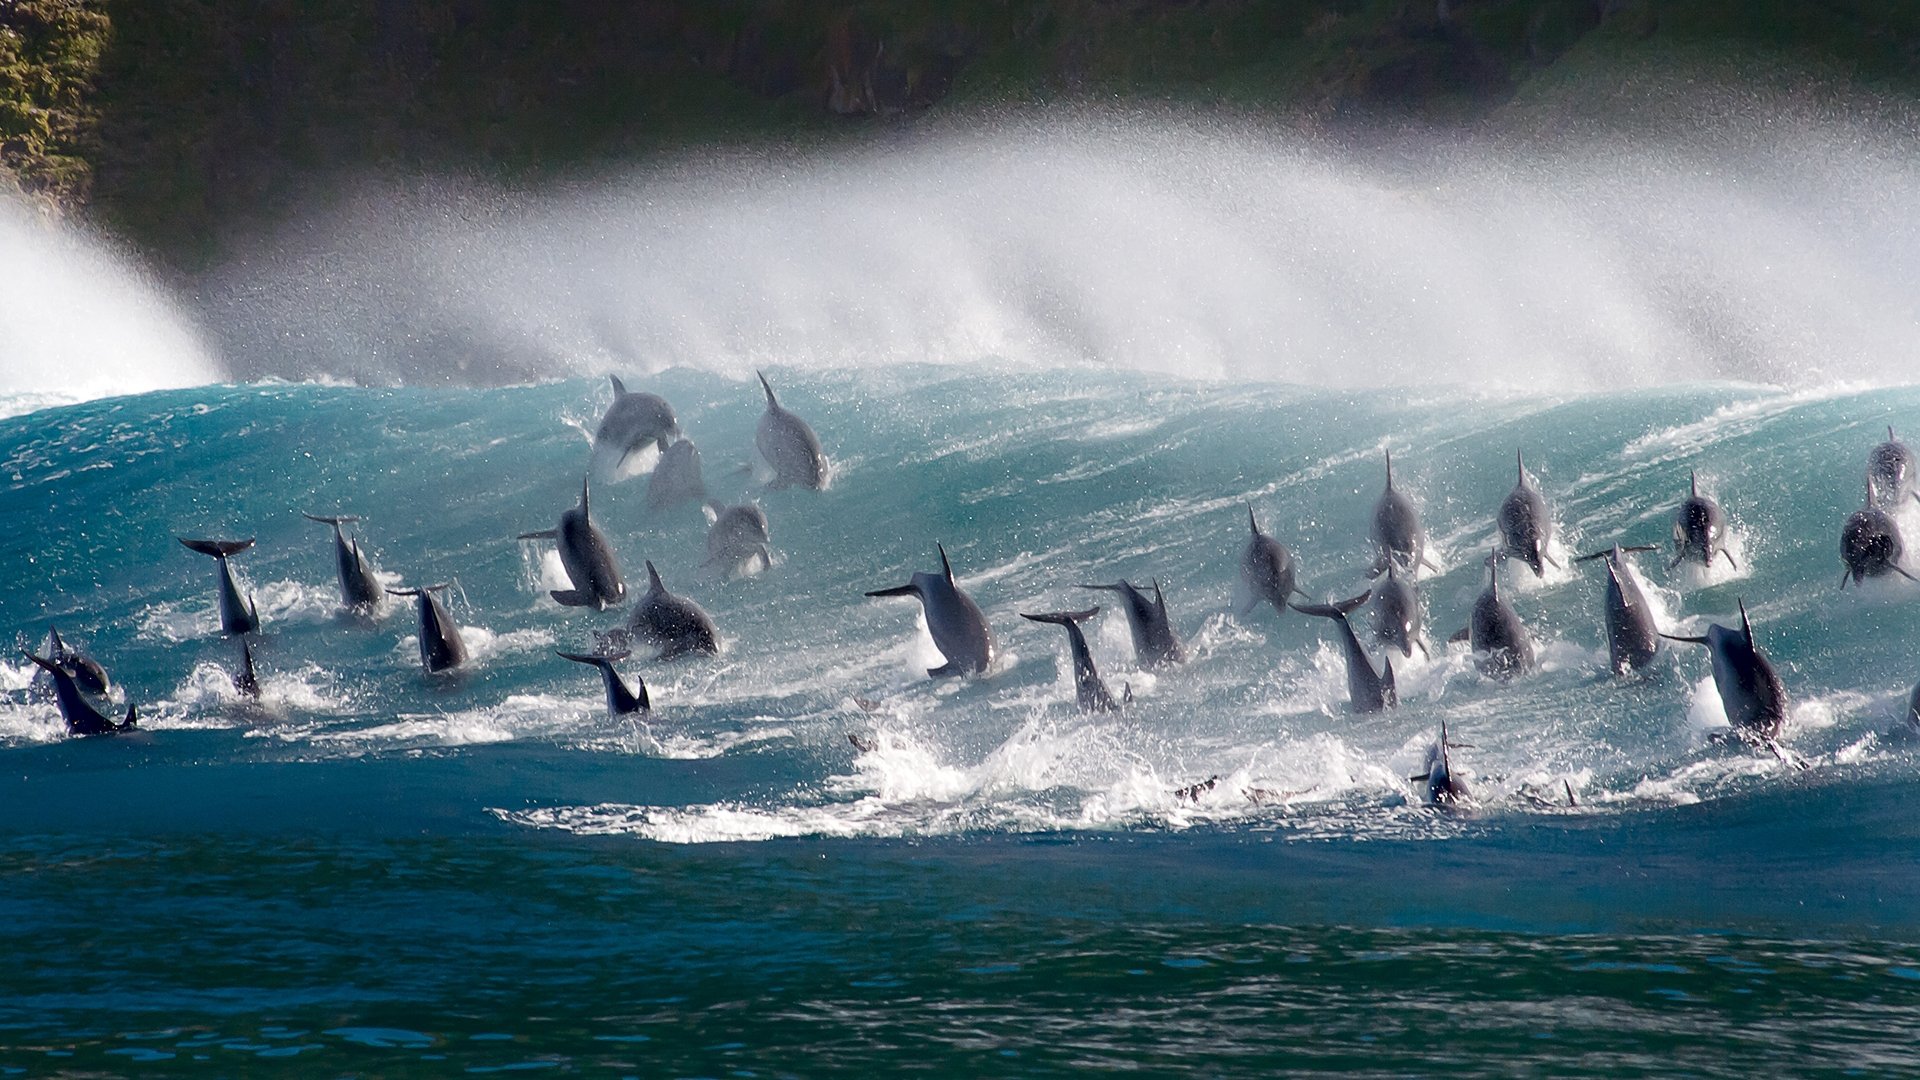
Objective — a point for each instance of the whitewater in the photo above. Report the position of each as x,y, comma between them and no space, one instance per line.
373,870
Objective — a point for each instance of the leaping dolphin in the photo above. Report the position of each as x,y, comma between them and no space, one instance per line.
1502,647
1699,529
235,617
621,701
958,628
737,536
88,674
1525,524
1088,690
789,446
81,716
1870,544
1396,613
1367,691
1154,643
1268,569
441,646
1913,708
1632,637
632,422
1890,473
1443,788
676,479
1750,689
1396,530
360,590
679,625
587,557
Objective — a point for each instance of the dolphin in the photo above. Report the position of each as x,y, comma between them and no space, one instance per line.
441,646
621,701
587,557
81,716
958,628
1501,645
1699,529
1396,613
675,622
1443,788
1367,691
1087,688
360,590
1525,524
245,680
789,445
737,536
1870,544
1750,689
1913,708
235,617
676,479
87,672
1632,636
1396,530
1268,569
632,422
1890,473
1154,643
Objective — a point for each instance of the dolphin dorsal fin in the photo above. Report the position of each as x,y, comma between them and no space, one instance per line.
1443,747
1389,469
653,578
59,646
1693,484
945,566
1159,598
585,510
1746,624
1493,573
1890,435
1520,466
1252,522
772,402
619,388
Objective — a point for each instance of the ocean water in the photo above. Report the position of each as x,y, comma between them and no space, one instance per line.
379,873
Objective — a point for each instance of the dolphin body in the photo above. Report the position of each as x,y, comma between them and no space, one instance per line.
246,680
1268,569
441,646
1501,645
958,628
1396,613
360,590
789,446
1699,529
676,623
634,421
676,478
1913,708
1750,689
1870,544
1155,645
87,673
1525,524
1441,786
621,700
80,714
587,558
235,617
1088,690
737,536
1632,637
1367,691
1396,530
1890,473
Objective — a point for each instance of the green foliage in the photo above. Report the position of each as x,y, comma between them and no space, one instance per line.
49,53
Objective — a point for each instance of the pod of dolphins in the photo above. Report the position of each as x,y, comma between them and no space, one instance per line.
738,541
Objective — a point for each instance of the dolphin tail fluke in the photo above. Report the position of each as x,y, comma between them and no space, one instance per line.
1063,618
1104,588
595,659
573,598
1337,610
59,647
421,590
45,663
897,590
219,549
335,520
541,534
768,387
1685,638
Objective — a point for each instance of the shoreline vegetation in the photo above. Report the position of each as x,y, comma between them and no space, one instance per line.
178,125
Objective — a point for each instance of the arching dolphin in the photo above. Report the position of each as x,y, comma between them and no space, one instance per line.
1267,568
587,557
1525,524
631,423
1396,530
235,617
1699,529
441,646
676,479
1632,637
81,716
1501,645
958,628
678,624
1396,613
1088,690
87,672
1367,691
1750,690
1889,473
246,680
1870,544
1155,645
789,446
736,537
1442,786
360,590
621,701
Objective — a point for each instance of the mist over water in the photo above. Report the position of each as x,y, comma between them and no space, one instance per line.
1778,251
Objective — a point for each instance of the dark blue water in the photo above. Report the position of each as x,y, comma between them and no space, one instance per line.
377,873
